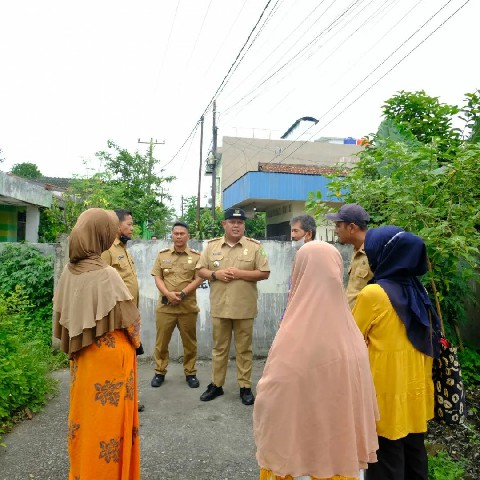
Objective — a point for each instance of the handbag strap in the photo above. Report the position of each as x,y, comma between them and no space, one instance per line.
439,311
437,303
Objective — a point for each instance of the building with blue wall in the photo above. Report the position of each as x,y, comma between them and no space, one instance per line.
276,176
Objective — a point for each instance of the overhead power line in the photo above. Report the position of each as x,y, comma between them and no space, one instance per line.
229,32
224,81
194,129
379,79
362,81
159,75
300,52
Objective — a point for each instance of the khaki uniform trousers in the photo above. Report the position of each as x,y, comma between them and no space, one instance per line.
187,326
222,337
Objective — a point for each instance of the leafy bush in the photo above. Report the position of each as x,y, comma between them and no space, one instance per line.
470,362
25,266
25,361
442,467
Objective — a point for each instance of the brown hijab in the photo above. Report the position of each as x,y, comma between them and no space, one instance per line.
94,232
91,298
316,409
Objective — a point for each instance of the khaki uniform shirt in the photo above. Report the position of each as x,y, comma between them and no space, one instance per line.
118,257
177,270
237,299
359,274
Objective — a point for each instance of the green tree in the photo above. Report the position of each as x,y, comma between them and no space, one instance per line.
212,227
400,180
426,119
129,181
471,116
26,170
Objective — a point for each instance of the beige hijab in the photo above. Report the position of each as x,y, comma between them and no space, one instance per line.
316,409
91,298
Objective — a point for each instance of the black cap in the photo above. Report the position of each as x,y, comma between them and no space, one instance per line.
237,213
350,213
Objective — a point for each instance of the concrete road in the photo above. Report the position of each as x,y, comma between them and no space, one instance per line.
181,437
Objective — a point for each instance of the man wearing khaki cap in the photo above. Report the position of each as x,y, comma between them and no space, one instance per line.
233,264
351,227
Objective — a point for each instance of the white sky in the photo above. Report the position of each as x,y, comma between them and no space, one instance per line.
75,74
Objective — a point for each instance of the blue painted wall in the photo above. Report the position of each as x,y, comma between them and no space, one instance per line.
273,186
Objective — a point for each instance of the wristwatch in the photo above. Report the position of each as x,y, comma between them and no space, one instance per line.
213,276
182,294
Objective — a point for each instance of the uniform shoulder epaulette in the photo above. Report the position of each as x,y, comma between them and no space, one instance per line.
195,251
214,239
164,250
254,240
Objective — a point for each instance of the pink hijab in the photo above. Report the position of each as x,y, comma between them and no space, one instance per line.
316,409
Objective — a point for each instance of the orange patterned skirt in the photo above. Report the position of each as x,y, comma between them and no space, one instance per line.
268,475
103,424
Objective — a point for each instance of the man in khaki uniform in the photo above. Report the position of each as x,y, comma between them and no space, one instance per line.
233,264
118,257
351,227
177,280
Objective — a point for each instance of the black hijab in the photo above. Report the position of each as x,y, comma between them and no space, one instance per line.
397,258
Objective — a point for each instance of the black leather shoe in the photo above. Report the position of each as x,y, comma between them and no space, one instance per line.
157,380
192,381
247,396
211,392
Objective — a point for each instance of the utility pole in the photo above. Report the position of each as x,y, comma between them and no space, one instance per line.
199,174
214,154
151,143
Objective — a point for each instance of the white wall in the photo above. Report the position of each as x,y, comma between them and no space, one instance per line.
271,303
33,221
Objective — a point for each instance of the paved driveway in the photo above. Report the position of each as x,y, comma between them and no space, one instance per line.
181,437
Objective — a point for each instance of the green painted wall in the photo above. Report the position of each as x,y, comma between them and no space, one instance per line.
8,223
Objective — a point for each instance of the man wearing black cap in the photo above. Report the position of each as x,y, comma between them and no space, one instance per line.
233,264
351,227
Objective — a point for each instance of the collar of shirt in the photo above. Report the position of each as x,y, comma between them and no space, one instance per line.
173,251
361,250
241,241
117,242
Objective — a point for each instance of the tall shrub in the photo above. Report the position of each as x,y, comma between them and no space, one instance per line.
25,266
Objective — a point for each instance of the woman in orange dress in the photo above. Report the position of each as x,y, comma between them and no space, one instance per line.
98,326
315,412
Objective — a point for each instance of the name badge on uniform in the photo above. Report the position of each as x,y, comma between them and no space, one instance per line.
216,263
216,253
245,252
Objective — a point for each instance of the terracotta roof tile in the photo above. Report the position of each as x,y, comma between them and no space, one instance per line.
301,169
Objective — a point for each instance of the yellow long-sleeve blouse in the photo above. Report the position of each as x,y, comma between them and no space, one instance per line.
401,373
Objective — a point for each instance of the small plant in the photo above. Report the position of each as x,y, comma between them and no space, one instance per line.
443,467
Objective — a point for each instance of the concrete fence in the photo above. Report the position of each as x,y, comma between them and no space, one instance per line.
272,294
272,297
